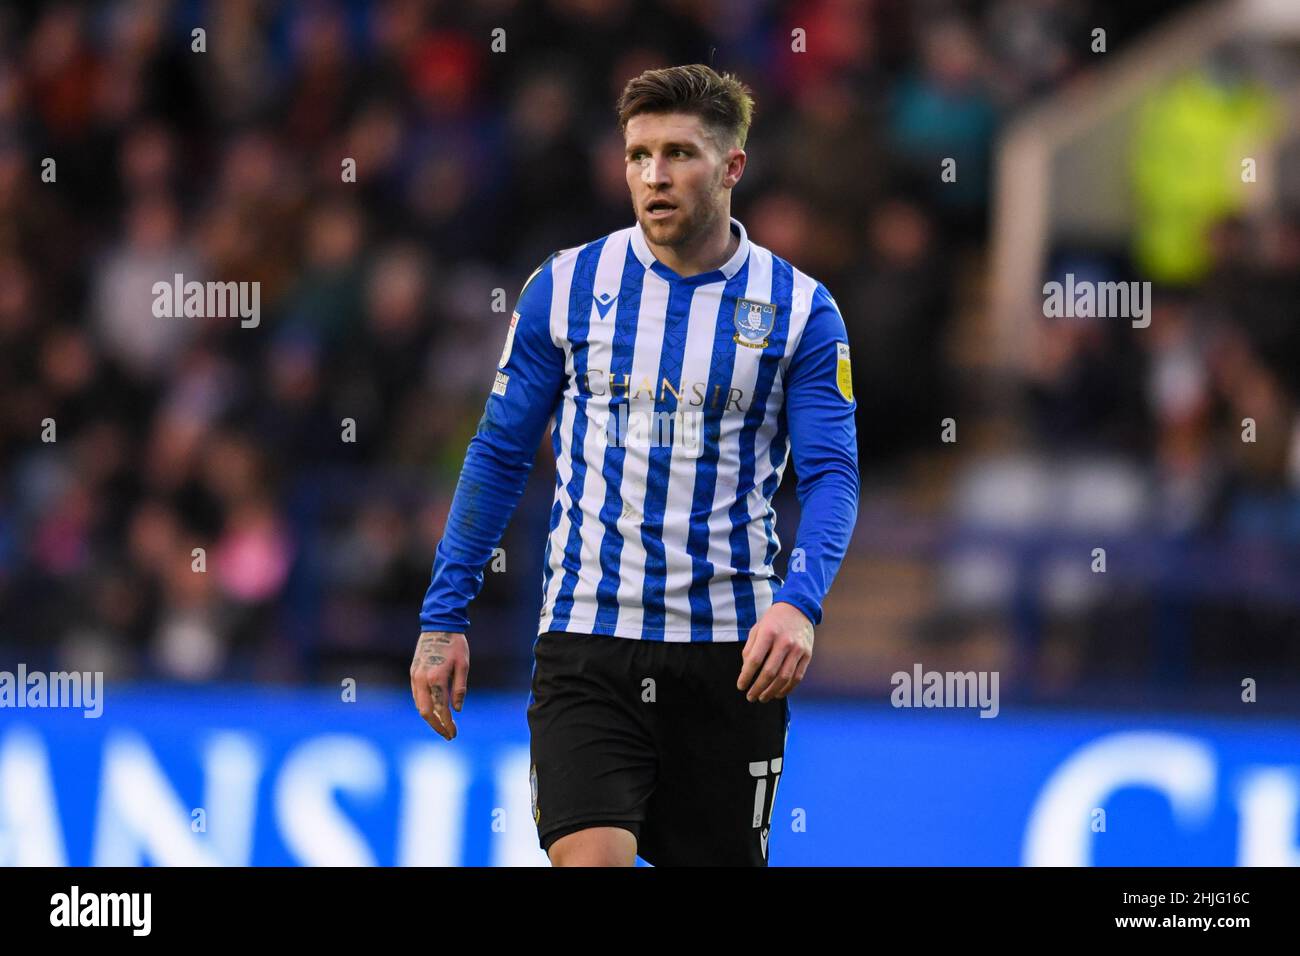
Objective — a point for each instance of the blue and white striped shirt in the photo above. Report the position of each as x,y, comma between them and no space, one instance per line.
676,402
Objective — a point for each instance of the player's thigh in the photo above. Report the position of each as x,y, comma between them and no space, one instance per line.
593,760
721,767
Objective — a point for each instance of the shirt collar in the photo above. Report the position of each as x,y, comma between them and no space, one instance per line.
726,271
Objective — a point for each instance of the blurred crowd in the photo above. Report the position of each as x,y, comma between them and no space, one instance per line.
136,450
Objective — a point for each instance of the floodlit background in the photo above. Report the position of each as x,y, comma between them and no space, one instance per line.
1006,457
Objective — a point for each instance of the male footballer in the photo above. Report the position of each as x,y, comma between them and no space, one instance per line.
681,365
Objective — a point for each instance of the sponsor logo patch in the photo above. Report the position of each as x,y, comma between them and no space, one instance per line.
843,371
499,386
510,341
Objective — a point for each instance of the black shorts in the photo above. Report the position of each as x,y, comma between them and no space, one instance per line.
654,737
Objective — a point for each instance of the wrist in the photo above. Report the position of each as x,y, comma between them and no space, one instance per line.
805,610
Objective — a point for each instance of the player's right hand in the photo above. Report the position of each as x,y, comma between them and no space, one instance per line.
440,673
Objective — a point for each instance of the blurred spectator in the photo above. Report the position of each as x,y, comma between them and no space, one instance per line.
1186,155
221,501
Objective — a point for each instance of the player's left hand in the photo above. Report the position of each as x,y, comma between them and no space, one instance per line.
778,650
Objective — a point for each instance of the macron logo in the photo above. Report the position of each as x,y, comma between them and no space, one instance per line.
102,909
603,302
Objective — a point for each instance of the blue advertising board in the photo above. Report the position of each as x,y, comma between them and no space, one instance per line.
240,776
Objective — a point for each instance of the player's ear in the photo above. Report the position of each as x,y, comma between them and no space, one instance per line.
735,166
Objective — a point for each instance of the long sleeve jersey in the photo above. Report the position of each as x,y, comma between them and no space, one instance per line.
674,404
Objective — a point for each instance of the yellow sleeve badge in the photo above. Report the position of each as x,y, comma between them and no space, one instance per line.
843,372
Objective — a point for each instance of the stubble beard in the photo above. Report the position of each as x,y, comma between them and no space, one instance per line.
683,234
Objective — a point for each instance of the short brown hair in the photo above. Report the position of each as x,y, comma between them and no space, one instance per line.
724,103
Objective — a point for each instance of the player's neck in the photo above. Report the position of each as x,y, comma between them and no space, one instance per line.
711,250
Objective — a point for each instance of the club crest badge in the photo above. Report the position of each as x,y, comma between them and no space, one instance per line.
754,321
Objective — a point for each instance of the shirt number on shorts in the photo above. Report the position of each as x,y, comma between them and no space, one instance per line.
760,769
